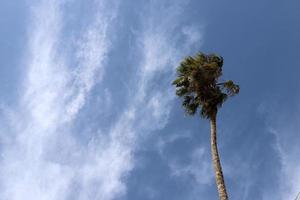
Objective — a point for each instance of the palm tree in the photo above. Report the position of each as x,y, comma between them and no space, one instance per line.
198,84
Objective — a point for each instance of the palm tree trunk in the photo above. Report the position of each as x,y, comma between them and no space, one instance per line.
216,160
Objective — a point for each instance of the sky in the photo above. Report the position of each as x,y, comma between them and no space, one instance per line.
88,112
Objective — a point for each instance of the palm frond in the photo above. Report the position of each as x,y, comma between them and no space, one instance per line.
190,105
231,88
197,83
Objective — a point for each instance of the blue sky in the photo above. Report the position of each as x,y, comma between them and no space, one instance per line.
88,112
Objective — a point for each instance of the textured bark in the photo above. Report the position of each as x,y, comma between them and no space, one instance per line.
216,160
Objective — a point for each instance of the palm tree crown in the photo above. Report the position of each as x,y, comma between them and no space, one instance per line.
197,83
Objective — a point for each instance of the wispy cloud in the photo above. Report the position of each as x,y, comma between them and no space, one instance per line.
199,168
163,42
284,127
161,46
42,158
289,154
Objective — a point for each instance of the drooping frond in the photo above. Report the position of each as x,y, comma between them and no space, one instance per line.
197,83
231,88
190,105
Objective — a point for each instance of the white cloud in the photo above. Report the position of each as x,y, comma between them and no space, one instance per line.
290,174
43,159
285,129
192,36
200,167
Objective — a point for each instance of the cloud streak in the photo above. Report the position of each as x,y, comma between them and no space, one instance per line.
284,128
43,157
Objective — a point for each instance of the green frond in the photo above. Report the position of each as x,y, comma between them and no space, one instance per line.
190,105
204,113
216,59
201,58
231,88
187,100
223,98
181,81
182,91
197,83
191,109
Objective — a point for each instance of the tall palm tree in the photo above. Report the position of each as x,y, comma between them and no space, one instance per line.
198,84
